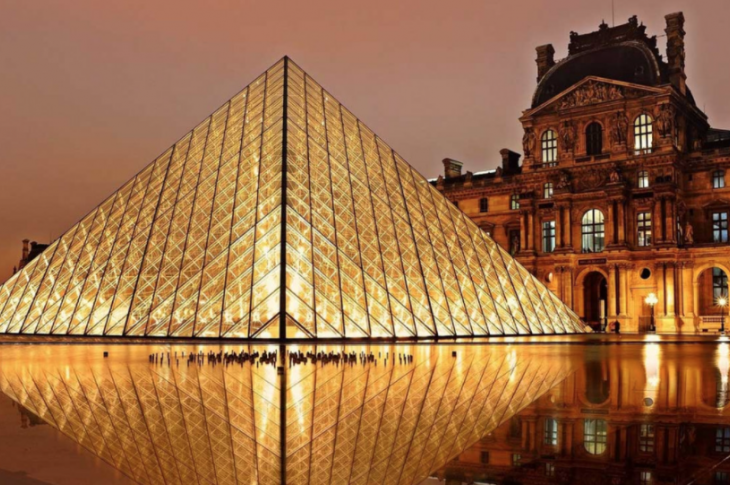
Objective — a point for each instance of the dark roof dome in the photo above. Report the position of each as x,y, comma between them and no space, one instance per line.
630,62
622,53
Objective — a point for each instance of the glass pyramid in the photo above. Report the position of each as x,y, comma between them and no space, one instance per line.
367,423
279,216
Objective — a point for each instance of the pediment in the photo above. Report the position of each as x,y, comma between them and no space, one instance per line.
718,203
591,91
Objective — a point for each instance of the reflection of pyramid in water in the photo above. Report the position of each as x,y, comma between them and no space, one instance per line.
193,246
360,424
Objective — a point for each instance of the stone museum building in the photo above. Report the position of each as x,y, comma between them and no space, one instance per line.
621,191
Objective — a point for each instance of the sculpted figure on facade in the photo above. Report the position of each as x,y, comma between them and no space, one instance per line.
619,129
590,93
665,120
689,234
528,142
567,136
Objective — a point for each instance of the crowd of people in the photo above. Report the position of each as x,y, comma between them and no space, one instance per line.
296,357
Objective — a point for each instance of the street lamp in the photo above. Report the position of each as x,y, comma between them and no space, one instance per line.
651,300
722,303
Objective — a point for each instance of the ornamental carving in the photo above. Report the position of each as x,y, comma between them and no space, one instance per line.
528,142
592,92
665,120
592,180
567,136
619,129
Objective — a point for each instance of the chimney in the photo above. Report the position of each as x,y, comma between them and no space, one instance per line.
26,248
510,161
545,59
675,50
452,168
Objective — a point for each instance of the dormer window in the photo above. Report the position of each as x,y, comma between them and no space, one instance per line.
642,180
547,190
483,204
549,145
594,139
643,134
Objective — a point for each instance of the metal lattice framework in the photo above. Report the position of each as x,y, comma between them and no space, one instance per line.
279,216
389,423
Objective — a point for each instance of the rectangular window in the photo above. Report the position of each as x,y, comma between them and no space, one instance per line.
718,179
550,469
548,236
551,431
547,191
722,440
595,436
516,459
646,478
719,284
483,204
484,457
643,228
646,438
721,478
643,179
514,202
719,227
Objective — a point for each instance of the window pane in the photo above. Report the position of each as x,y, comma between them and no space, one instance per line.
549,145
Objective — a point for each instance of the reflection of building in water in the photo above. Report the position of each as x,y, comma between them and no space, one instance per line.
644,420
302,424
623,190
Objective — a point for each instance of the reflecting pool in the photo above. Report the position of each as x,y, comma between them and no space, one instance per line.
297,414
629,414
632,413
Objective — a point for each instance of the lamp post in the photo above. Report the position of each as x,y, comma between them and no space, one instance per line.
651,300
722,303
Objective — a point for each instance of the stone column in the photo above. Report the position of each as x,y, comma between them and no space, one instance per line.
657,221
623,297
670,221
559,243
611,304
659,309
523,230
688,297
669,288
621,221
568,228
531,231
610,224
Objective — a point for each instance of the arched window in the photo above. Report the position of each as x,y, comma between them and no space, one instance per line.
549,145
483,204
642,179
643,136
594,139
595,434
593,231
547,190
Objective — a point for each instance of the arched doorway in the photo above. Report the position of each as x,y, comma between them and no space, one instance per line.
595,296
712,284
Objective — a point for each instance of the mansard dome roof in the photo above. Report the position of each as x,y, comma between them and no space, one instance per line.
629,61
623,53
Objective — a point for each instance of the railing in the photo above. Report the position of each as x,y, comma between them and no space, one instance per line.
710,323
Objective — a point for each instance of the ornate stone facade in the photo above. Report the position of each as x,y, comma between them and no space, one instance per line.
622,189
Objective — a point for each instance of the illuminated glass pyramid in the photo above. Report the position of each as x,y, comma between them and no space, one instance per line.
279,216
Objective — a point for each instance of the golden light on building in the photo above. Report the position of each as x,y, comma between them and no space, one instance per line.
279,216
